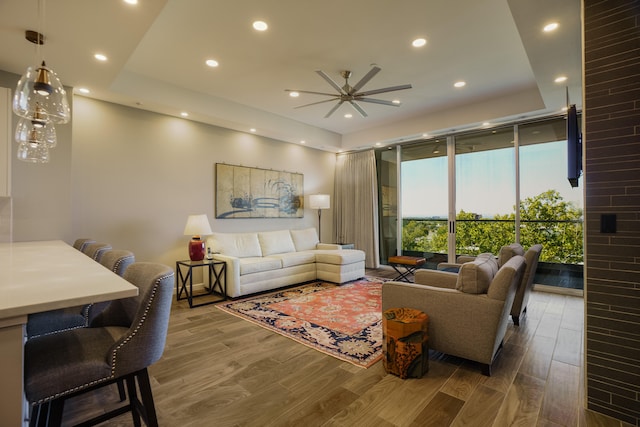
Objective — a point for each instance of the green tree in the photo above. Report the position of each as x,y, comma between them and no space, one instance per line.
546,218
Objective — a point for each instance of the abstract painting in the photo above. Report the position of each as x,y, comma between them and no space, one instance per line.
245,192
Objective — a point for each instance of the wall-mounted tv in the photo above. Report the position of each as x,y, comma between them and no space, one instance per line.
574,147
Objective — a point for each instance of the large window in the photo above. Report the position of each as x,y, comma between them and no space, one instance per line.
473,193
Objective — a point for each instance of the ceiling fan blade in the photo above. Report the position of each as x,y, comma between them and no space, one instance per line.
363,81
335,107
383,90
358,108
314,103
330,81
311,92
379,101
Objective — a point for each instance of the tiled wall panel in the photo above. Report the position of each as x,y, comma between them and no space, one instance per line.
612,182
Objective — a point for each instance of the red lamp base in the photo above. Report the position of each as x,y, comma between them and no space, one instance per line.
196,249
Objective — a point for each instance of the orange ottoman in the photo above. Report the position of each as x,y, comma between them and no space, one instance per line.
405,342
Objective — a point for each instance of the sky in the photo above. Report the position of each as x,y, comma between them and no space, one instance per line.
485,180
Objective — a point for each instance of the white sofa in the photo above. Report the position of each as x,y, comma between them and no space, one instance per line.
262,261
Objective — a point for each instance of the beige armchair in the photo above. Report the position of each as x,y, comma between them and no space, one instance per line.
468,312
521,299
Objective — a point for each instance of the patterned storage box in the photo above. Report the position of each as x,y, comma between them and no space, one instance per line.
405,342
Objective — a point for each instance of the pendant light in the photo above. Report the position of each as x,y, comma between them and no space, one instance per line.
40,100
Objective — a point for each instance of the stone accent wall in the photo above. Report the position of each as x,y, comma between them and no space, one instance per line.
612,182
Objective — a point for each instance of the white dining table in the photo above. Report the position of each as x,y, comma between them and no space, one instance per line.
35,277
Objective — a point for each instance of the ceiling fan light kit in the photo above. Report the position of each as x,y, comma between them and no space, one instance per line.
352,94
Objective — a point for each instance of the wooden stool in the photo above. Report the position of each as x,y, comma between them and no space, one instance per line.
410,263
405,342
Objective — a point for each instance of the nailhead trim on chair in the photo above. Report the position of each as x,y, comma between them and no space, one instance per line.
144,317
100,380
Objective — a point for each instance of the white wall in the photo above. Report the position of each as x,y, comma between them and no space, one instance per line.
41,193
138,175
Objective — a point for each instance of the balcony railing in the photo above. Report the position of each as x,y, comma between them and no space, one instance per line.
562,240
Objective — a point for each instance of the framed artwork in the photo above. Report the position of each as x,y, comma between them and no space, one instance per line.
244,192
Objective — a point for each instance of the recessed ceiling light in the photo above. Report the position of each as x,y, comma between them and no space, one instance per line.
396,101
83,90
560,79
486,124
260,25
378,144
252,130
419,42
100,57
131,1
212,63
294,94
303,142
184,114
348,115
460,84
550,27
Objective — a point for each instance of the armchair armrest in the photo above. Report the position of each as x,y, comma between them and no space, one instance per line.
436,278
465,258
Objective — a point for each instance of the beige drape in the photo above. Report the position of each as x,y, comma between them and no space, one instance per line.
356,204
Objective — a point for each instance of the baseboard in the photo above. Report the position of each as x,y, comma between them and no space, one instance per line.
559,290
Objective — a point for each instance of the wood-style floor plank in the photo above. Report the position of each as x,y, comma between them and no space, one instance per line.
220,370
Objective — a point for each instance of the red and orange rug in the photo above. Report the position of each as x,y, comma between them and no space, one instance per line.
342,321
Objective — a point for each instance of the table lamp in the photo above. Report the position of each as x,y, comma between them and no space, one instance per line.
319,201
197,225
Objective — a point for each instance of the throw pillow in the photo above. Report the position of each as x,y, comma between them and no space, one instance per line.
475,277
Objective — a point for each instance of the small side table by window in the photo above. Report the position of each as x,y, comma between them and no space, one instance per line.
346,245
217,271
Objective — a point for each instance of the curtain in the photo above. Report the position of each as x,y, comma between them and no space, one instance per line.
356,204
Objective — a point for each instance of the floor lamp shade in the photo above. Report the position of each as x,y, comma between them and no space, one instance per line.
319,201
197,226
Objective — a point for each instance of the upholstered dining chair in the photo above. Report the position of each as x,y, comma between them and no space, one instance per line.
96,250
122,341
80,244
53,321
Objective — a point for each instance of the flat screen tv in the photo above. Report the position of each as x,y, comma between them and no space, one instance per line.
574,147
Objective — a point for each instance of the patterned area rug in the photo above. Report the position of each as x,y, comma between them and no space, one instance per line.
342,321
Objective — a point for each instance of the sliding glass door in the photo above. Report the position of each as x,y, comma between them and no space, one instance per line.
485,191
475,192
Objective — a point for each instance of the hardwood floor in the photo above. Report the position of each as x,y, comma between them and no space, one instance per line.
219,370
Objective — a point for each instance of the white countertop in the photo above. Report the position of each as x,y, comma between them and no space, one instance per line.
46,275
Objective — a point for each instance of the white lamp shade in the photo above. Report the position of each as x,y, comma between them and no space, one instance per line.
319,201
197,225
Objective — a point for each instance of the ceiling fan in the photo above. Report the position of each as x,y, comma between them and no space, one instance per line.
351,94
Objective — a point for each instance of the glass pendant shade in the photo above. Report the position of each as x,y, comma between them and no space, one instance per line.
40,95
35,132
33,153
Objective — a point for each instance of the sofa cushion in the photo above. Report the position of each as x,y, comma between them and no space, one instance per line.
241,245
339,257
276,242
475,277
305,240
509,251
290,259
259,264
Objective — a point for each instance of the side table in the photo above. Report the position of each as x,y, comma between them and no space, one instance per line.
217,271
346,245
409,263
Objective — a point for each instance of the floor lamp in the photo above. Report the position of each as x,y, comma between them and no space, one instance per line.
320,202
